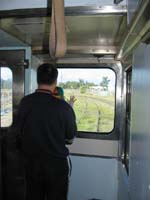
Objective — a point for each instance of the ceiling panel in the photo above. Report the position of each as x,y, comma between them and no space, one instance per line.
95,33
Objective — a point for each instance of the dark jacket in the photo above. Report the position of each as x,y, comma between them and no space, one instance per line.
45,125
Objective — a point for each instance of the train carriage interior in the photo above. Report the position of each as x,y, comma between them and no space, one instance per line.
105,66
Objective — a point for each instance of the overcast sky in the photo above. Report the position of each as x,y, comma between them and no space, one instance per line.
90,75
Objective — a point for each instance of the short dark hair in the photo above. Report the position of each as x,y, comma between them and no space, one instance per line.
47,74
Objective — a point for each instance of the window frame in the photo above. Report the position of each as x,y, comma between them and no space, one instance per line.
117,68
14,59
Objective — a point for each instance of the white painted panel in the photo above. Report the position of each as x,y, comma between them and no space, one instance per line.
95,147
93,178
91,3
16,4
139,171
123,182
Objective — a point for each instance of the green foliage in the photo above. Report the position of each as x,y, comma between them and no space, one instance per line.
81,82
83,89
104,83
70,85
76,84
89,107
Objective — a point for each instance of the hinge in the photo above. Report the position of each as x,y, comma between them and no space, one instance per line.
26,63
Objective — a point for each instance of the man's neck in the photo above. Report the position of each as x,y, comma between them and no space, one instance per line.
46,87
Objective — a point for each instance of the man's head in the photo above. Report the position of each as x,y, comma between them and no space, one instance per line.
47,74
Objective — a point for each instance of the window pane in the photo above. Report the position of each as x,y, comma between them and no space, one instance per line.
94,90
6,96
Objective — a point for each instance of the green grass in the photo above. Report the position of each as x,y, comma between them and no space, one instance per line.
6,104
87,107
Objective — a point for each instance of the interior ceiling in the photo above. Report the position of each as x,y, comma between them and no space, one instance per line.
87,34
17,4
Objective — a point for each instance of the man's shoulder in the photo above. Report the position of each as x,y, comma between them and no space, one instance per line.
65,105
28,97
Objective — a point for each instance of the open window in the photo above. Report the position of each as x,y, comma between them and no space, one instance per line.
94,90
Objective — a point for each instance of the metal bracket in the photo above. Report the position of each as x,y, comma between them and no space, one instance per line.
26,63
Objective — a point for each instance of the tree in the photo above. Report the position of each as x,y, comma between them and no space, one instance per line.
83,89
81,82
104,83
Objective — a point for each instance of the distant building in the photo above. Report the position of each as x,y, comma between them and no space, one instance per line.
99,90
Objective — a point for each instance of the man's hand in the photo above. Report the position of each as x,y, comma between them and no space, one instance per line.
71,100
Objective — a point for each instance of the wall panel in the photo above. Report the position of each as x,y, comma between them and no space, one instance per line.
139,171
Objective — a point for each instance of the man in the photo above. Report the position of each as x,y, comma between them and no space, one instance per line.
46,125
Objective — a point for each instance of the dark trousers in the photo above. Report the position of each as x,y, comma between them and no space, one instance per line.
46,179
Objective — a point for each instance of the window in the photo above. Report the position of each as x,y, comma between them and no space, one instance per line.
5,97
94,90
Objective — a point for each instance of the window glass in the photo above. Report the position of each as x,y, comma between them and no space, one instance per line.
94,90
5,96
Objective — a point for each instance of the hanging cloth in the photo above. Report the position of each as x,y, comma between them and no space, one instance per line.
57,40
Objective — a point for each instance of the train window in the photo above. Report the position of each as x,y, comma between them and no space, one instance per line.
94,90
5,97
